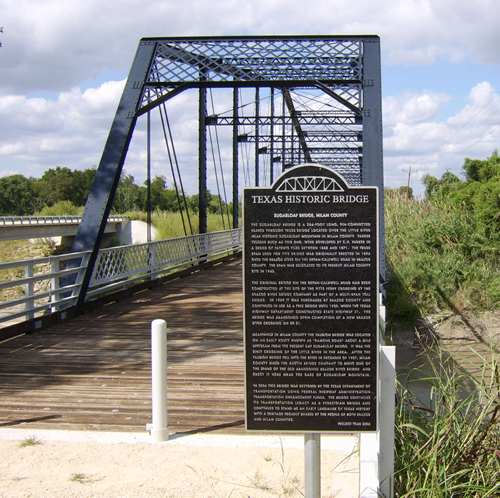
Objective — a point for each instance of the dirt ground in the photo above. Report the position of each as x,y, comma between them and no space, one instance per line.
483,328
199,466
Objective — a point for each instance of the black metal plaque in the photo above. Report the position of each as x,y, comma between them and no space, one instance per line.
311,303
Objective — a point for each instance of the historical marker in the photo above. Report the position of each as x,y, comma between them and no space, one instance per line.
311,307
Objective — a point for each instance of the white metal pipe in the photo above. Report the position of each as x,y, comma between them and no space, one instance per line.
159,426
387,416
312,465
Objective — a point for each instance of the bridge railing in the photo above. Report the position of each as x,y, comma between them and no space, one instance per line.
50,220
37,283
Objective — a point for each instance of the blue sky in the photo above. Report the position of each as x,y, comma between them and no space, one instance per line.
63,63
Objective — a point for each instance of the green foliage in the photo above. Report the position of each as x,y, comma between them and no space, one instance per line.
482,170
449,449
61,191
129,196
64,184
24,196
479,193
438,257
61,208
17,195
444,249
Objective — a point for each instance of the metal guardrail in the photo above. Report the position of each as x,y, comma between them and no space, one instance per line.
116,268
51,220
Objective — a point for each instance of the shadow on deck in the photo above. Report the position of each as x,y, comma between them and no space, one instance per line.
93,371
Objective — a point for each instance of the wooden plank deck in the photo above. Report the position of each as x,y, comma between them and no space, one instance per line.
93,371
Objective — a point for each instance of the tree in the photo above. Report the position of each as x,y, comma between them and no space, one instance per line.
17,196
482,170
128,195
64,184
442,186
431,184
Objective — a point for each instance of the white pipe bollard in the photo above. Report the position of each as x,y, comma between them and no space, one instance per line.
159,425
312,465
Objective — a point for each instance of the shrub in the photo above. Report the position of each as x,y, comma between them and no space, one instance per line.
449,449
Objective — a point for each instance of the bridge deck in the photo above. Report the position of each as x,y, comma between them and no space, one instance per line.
93,372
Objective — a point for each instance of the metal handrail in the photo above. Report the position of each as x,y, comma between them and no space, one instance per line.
116,268
42,260
51,220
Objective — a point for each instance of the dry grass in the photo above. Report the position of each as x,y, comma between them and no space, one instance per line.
13,250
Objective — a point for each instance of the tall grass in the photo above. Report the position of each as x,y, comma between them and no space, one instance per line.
437,256
450,448
61,208
169,224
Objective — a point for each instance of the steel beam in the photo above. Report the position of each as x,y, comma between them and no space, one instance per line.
334,150
304,117
235,158
107,177
202,160
257,130
338,98
311,137
296,123
372,166
271,136
283,129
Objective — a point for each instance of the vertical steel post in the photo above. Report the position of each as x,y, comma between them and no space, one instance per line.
271,164
29,289
257,136
372,171
283,129
54,284
202,160
235,158
148,175
312,465
148,187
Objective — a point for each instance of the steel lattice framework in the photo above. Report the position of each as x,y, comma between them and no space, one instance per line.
254,62
341,129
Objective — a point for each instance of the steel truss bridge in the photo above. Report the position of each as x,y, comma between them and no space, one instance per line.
314,99
317,99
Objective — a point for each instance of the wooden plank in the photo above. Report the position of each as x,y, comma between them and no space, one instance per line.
93,371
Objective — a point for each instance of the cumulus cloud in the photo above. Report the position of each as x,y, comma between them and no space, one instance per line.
431,145
411,108
54,45
71,130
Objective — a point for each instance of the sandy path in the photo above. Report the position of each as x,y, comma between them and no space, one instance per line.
196,466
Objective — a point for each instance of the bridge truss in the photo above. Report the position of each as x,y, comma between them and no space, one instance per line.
317,99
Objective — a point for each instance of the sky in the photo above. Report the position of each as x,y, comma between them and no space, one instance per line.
63,64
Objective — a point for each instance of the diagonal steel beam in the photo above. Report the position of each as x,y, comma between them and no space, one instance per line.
204,62
160,100
296,124
337,97
102,191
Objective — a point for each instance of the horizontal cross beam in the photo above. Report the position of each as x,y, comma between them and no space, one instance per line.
320,118
311,137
